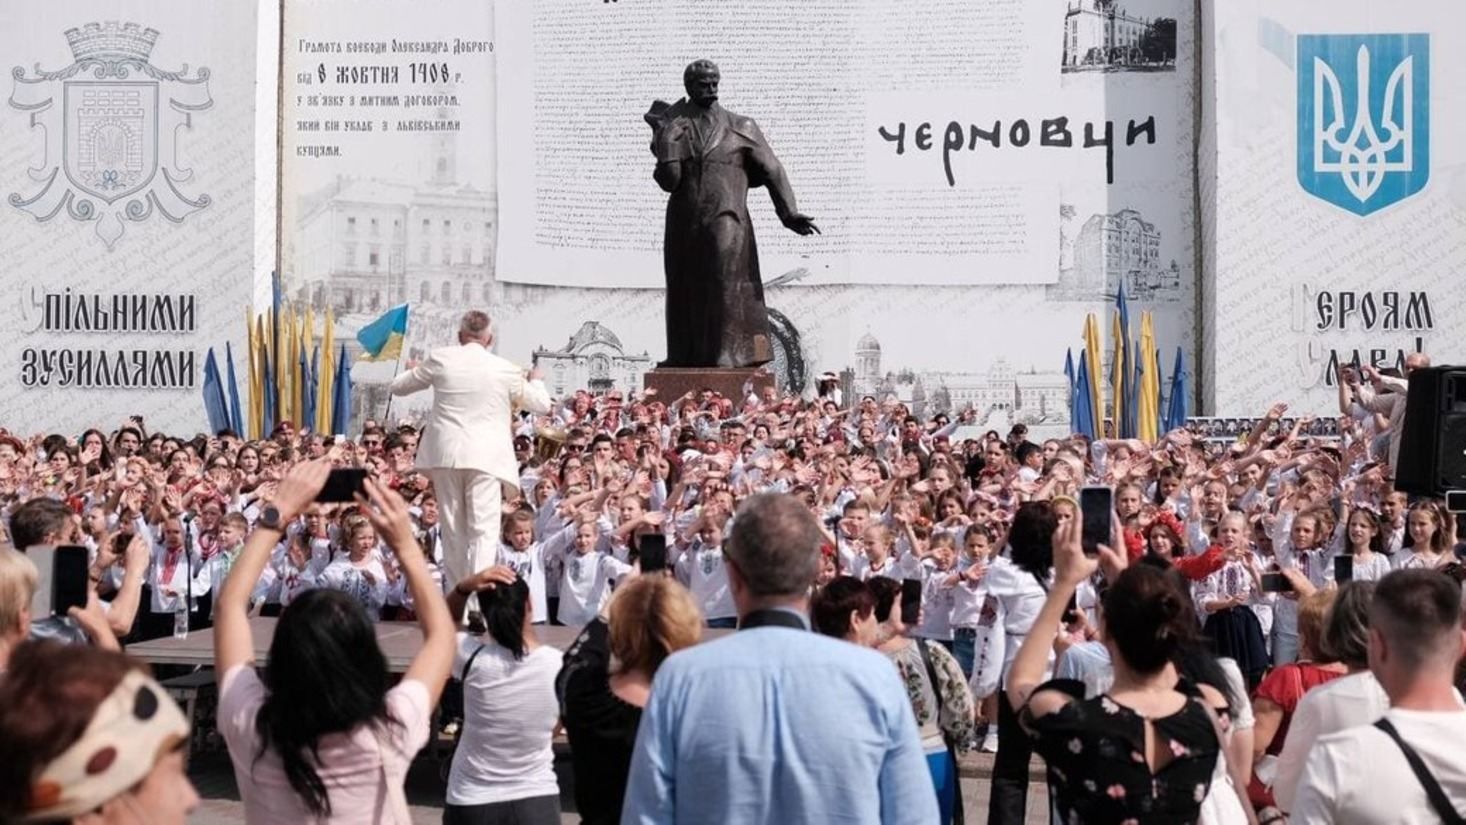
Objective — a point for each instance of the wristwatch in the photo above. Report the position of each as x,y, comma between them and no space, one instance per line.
270,519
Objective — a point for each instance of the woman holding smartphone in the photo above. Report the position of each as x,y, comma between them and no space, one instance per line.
320,736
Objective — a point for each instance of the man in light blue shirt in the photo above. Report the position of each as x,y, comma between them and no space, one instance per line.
775,724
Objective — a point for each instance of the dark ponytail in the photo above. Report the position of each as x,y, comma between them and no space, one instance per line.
1149,618
504,608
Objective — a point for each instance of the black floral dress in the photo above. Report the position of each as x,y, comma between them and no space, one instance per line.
1095,750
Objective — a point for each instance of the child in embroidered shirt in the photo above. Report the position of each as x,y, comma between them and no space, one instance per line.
359,573
589,577
530,559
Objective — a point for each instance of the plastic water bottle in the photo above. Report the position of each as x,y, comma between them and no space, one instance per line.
180,624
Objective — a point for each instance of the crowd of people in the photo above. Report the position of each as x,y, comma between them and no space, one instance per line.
1271,633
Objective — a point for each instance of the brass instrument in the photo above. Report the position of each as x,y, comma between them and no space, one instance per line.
548,442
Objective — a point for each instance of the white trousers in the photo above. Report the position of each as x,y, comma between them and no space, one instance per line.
469,505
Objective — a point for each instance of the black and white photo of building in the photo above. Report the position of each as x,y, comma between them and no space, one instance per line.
1106,36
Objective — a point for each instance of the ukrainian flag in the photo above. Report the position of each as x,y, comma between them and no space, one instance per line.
381,340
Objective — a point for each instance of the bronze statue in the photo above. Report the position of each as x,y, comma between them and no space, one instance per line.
707,158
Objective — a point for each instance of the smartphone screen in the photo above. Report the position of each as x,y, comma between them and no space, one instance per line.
1097,506
652,550
1276,583
910,601
69,579
61,580
1343,568
343,484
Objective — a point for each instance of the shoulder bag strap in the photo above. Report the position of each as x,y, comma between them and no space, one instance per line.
958,816
468,665
1437,796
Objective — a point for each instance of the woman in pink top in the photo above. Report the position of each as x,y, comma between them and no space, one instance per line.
321,738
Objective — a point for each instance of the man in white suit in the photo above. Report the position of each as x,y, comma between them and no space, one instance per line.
467,446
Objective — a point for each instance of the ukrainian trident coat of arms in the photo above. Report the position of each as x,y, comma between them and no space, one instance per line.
1363,118
111,124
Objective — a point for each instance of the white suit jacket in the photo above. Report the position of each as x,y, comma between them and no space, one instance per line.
474,392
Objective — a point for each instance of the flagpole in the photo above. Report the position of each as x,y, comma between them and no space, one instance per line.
387,416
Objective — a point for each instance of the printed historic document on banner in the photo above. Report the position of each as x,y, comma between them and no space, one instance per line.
136,205
388,136
929,141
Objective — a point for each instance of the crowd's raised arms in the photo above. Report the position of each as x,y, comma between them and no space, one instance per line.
1257,605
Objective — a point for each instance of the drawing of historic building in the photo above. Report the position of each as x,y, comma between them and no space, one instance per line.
593,359
1029,396
1108,250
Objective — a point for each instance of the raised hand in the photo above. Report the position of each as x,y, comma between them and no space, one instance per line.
487,579
388,513
299,488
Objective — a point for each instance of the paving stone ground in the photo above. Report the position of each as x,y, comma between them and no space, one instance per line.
214,778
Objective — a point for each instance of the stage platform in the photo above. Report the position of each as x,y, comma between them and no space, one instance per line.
399,641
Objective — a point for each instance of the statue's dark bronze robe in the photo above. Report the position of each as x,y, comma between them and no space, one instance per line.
708,159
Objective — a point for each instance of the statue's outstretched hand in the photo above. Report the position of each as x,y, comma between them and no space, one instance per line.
802,224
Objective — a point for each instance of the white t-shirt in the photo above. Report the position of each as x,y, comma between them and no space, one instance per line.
533,565
509,715
701,570
586,585
967,599
1021,596
1344,703
862,569
1360,775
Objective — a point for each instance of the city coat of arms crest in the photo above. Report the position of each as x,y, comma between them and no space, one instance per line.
1363,118
111,122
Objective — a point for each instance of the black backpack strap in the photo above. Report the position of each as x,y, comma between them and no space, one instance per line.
468,665
1433,790
958,815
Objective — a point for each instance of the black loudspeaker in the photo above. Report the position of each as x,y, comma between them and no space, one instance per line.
1433,435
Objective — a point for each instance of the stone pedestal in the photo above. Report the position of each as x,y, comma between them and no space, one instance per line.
672,383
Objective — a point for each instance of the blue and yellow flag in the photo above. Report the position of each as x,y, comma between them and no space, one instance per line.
381,340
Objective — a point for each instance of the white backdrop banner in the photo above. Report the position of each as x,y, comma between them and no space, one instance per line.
1339,208
528,188
929,141
985,175
129,223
